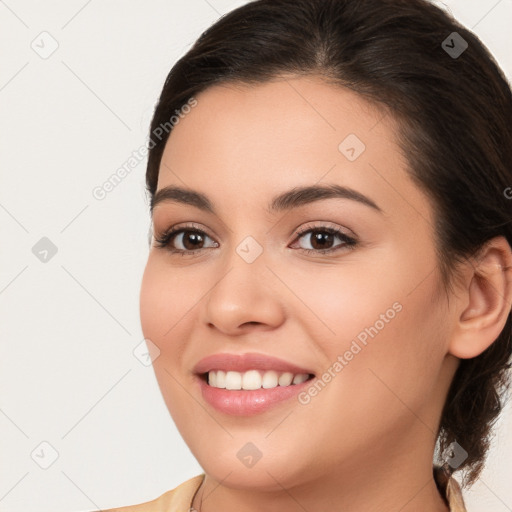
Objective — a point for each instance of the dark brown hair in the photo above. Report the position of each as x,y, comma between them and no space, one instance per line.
453,113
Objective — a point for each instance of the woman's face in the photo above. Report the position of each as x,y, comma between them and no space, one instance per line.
342,285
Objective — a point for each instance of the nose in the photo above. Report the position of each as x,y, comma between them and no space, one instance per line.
244,298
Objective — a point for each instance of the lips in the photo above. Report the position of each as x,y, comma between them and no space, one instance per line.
244,362
248,402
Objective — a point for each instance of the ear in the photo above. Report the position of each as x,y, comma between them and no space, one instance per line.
486,300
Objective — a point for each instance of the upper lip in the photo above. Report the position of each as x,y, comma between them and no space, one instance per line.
244,362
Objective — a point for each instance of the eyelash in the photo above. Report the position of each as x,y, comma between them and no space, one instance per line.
164,240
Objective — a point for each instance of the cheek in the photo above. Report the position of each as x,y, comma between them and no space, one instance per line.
167,295
382,321
391,360
167,300
164,303
343,302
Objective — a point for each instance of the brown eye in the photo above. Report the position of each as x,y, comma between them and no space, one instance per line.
183,240
190,240
322,239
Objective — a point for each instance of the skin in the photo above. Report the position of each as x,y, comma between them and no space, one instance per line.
366,441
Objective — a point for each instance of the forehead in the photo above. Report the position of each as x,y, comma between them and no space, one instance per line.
291,131
291,110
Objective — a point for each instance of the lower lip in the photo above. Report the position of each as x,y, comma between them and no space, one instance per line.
248,402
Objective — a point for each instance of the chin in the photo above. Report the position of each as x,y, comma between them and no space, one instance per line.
262,477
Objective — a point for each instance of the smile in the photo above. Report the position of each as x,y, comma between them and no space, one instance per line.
249,384
254,379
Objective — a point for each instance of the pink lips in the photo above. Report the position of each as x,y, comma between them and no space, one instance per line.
244,362
247,402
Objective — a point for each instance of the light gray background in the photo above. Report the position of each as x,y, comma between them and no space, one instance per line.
68,328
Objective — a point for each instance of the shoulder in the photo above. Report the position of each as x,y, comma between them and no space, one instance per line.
178,499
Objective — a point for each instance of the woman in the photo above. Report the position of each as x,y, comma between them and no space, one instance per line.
329,284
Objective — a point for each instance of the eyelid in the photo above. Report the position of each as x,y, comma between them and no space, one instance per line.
179,227
185,225
319,224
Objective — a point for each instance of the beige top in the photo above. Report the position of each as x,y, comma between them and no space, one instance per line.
180,498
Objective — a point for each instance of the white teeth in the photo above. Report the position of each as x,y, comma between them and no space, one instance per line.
220,379
285,379
233,380
270,380
300,378
253,379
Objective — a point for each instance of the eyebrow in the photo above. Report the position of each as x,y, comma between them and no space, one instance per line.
288,200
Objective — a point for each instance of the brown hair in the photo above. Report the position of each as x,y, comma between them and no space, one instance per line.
454,115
